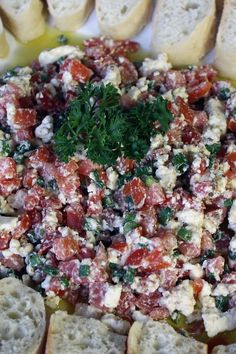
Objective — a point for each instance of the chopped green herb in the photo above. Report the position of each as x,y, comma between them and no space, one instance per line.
214,148
218,236
129,226
9,74
40,182
62,39
124,178
143,245
143,171
232,255
91,224
84,270
18,157
52,185
50,270
180,162
165,215
149,180
97,180
33,237
24,146
6,148
64,282
176,253
222,303
35,260
108,202
129,275
211,278
228,203
184,234
206,255
224,94
129,202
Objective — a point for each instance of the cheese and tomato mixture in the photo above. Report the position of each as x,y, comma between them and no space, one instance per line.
154,237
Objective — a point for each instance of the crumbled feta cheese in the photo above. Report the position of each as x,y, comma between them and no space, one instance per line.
232,217
167,177
45,130
191,217
112,178
180,298
195,270
224,289
149,66
112,76
50,219
112,296
8,223
134,93
50,56
216,127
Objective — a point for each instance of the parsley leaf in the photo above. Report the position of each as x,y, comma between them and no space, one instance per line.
180,162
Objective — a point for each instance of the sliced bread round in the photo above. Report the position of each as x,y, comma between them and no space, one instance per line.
4,48
22,325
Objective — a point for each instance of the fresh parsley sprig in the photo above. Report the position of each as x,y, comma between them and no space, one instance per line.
97,121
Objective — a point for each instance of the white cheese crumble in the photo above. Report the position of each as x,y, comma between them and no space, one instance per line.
112,296
112,76
167,177
45,130
217,125
112,178
50,56
232,217
149,66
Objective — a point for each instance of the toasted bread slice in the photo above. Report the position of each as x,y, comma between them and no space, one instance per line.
72,334
184,29
160,338
24,18
225,58
23,322
69,14
224,349
4,48
122,19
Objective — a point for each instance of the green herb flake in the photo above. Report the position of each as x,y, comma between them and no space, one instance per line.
64,282
98,182
84,270
228,203
62,39
40,182
184,234
180,163
6,148
224,94
222,303
129,275
165,215
218,236
49,270
214,148
35,260
52,185
149,180
232,255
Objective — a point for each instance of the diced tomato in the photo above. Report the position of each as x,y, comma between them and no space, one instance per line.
7,186
67,169
166,238
200,120
95,203
232,125
155,195
46,100
128,71
207,242
197,285
185,110
198,91
189,249
148,220
231,158
96,294
78,71
119,246
136,257
126,304
7,168
24,118
147,302
40,156
5,237
159,313
174,79
65,248
125,165
56,286
153,256
23,225
15,262
168,278
23,135
86,167
74,216
136,190
190,135
86,253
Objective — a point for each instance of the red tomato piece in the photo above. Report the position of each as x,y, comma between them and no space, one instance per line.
148,220
232,125
126,304
86,167
119,246
136,257
190,135
147,302
23,225
65,248
41,156
159,313
74,217
5,237
78,71
185,110
155,195
198,91
197,285
153,256
15,262
97,292
125,165
7,186
136,190
24,118
189,249
7,168
23,135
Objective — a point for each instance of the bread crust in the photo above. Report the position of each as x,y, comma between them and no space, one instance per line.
194,47
130,25
134,338
28,24
71,21
225,56
4,47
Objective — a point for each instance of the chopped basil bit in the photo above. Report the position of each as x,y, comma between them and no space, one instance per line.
180,162
206,255
165,215
222,303
143,171
211,278
33,237
64,282
184,234
176,253
40,182
129,226
149,180
50,270
224,93
24,146
18,157
97,179
84,270
6,148
232,255
62,39
129,202
228,203
35,260
108,202
218,236
52,184
124,178
129,275
214,148
143,245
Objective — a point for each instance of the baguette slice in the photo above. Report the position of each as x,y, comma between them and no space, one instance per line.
69,14
122,19
160,338
4,48
23,323
24,18
184,29
225,58
224,349
72,334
